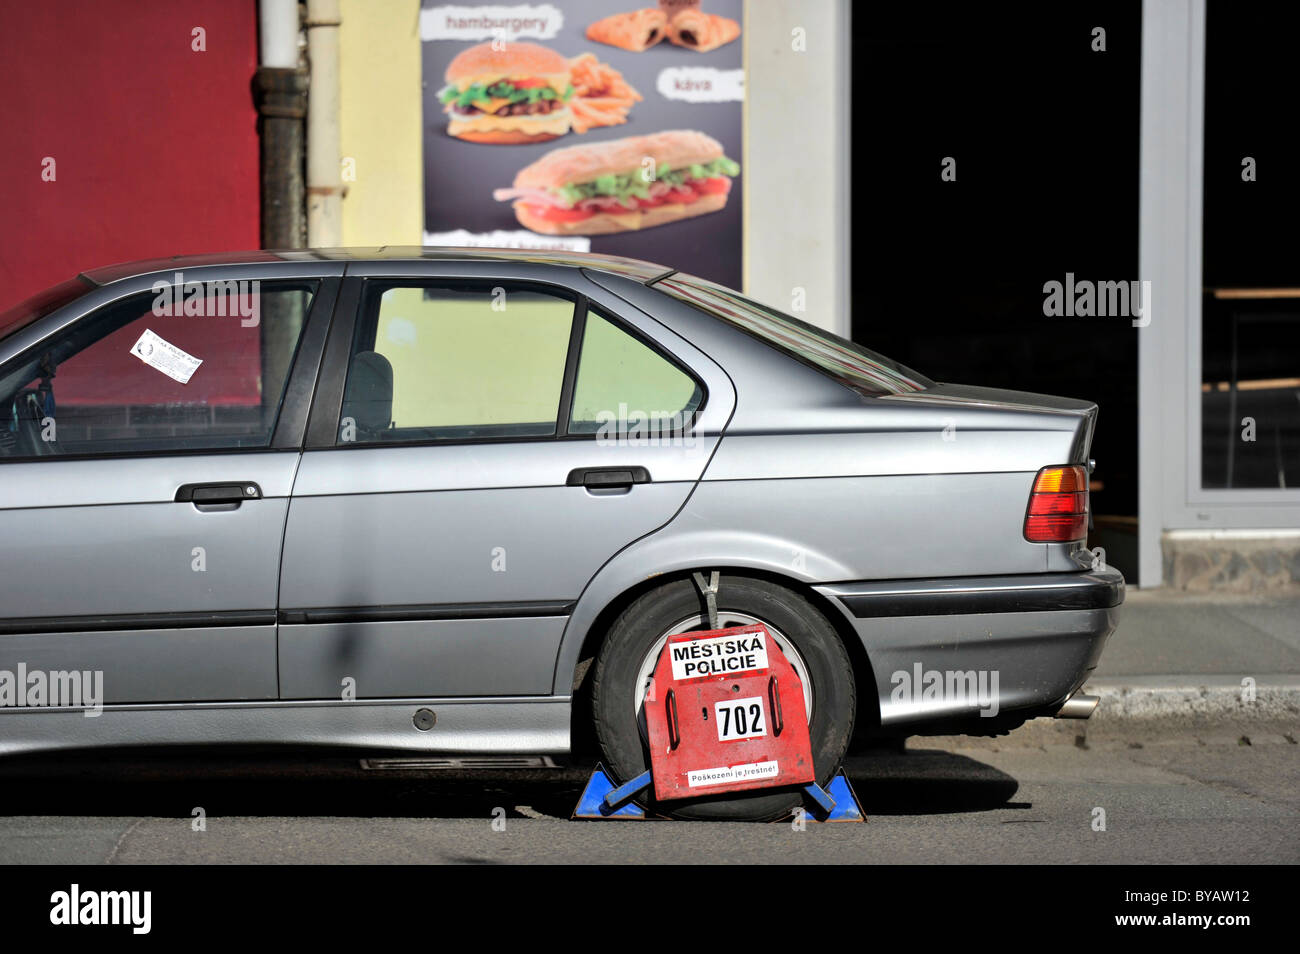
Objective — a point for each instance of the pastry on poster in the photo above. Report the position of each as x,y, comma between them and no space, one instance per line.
700,31
637,30
507,93
608,187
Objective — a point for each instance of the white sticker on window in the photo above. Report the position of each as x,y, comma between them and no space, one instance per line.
165,357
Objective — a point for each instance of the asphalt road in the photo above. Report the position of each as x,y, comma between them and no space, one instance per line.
1215,801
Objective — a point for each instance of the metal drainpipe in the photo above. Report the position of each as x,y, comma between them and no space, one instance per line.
324,181
281,88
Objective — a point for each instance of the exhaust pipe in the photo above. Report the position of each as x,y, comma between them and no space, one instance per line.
1078,706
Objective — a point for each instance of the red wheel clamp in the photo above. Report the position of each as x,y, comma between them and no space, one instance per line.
725,713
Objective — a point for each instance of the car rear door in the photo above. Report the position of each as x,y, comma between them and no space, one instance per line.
466,475
143,497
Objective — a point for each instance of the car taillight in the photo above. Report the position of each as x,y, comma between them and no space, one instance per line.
1058,505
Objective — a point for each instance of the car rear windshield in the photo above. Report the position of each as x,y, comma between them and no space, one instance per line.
850,364
42,304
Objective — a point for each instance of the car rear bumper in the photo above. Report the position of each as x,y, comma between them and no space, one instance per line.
987,650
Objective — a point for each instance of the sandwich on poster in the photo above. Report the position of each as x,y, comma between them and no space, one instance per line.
622,185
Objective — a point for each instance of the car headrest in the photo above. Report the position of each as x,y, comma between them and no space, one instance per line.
369,399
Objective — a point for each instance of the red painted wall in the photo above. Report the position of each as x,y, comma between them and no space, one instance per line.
155,144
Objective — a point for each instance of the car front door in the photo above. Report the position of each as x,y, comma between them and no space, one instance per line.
147,452
491,442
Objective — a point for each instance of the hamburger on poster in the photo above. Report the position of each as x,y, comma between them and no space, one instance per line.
500,92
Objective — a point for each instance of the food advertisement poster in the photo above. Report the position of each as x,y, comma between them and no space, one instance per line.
587,125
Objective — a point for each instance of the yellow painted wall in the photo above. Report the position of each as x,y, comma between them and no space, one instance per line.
380,122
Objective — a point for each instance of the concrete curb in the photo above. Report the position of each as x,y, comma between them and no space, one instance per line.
1196,698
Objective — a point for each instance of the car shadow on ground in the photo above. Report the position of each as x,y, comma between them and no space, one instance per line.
260,784
927,782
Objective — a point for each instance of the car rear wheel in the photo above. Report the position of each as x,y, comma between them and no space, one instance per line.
627,660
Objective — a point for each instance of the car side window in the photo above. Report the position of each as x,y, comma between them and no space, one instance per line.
623,383
188,367
455,362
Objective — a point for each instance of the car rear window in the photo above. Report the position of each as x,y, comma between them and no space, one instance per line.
847,362
42,304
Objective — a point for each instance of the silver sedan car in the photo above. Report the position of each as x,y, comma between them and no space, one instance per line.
456,501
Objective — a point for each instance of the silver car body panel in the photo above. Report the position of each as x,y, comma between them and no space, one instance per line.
88,545
403,658
390,573
1045,635
432,525
488,466
127,481
98,557
868,451
194,664
1039,658
357,548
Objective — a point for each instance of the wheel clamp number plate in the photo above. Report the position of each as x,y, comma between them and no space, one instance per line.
725,713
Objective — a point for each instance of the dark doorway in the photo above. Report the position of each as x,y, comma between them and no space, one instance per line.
1250,309
948,276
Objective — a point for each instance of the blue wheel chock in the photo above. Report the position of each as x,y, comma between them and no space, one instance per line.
839,803
601,800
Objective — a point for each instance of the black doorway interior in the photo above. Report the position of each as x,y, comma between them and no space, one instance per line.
1043,131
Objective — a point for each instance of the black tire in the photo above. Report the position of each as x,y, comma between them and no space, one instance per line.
651,615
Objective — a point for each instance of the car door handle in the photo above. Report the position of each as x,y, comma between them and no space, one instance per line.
608,479
218,496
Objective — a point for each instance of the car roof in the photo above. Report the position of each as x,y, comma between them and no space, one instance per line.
645,272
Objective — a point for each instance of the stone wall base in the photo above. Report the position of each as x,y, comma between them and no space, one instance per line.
1232,564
